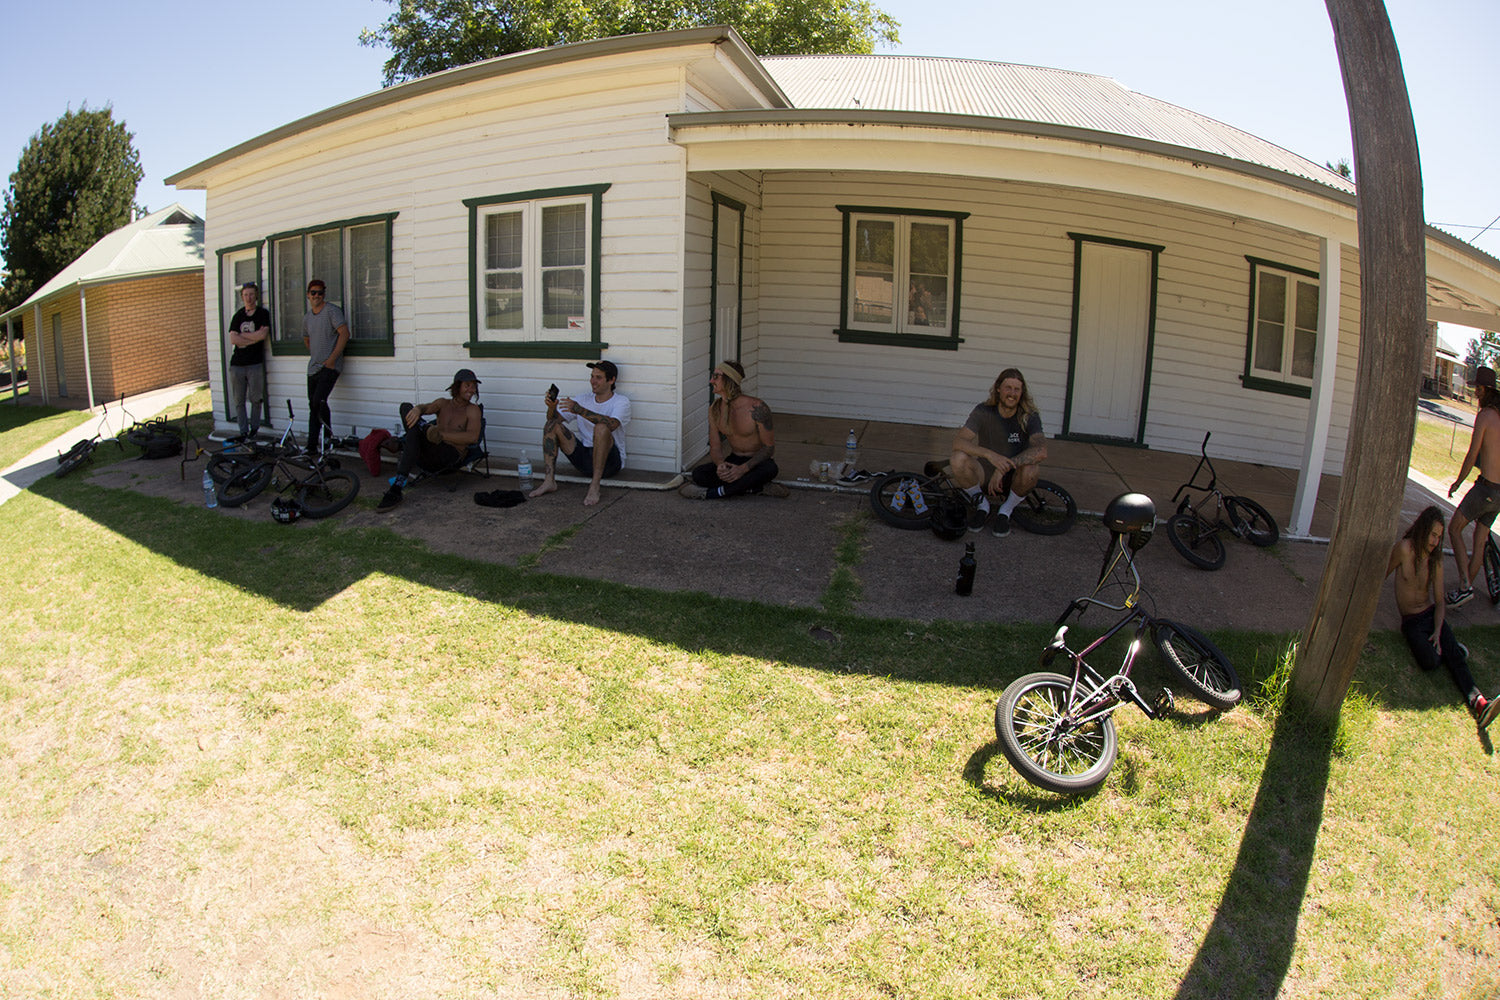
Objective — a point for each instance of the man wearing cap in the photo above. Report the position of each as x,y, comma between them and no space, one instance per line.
325,334
441,444
248,330
590,432
741,441
1482,502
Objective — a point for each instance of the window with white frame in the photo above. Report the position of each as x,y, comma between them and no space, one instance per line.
353,259
1281,349
534,284
901,276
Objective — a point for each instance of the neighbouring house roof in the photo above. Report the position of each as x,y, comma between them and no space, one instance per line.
934,85
168,241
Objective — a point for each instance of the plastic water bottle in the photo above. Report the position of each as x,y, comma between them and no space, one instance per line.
210,495
964,585
851,453
523,473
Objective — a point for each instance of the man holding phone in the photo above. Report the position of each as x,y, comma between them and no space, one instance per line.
590,432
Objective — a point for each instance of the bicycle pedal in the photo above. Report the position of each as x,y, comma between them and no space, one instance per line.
1165,703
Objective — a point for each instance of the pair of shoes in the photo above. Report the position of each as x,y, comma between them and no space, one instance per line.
391,499
1485,710
1458,598
1002,525
692,491
775,489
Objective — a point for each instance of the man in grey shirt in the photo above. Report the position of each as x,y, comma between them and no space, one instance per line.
324,334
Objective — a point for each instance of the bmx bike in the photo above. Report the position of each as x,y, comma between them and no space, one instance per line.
1057,729
1196,528
911,499
243,470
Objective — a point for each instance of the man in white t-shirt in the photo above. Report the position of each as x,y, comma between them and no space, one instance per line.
590,432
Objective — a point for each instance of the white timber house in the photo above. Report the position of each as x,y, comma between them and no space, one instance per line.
874,237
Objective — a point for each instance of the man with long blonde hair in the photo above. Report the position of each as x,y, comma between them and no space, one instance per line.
1000,448
741,441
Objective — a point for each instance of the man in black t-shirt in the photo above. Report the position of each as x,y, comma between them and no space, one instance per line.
1000,448
248,331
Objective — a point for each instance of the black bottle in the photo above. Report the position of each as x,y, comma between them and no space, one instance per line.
964,585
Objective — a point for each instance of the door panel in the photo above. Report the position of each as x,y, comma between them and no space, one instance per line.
1114,325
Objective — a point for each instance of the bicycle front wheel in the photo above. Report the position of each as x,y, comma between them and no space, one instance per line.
243,485
1043,744
327,493
75,457
1200,664
1252,521
1046,510
1492,570
1198,543
892,496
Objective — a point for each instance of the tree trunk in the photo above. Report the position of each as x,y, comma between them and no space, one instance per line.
1393,313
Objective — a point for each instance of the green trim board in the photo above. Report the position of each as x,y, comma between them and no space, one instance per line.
259,248
1260,383
480,348
1155,250
940,342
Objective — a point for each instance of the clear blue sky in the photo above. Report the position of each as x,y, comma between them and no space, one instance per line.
191,78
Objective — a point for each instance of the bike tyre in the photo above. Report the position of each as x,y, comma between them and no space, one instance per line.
1034,702
1254,523
1492,570
1199,664
1186,534
884,490
244,486
1046,510
225,465
73,460
330,493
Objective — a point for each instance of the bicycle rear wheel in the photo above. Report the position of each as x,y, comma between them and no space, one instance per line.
1036,736
892,498
1200,664
74,457
1252,521
244,485
1198,543
327,493
1046,510
1492,569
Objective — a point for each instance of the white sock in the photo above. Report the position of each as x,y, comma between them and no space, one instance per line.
1010,503
984,502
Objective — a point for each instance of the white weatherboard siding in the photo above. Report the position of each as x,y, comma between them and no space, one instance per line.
1017,302
421,163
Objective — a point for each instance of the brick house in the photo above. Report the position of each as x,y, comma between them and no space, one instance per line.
125,317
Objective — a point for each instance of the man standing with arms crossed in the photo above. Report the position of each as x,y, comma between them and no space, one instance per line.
325,335
1482,502
248,330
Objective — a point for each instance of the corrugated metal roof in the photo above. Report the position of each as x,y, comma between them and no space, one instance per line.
167,240
1021,93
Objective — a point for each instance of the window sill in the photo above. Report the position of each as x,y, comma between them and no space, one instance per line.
1281,388
590,350
924,341
353,349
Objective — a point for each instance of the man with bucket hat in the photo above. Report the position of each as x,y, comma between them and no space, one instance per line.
1482,502
442,443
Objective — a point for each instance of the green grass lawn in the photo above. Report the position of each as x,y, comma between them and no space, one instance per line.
1439,446
245,759
23,429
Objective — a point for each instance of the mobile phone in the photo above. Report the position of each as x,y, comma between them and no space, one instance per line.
552,391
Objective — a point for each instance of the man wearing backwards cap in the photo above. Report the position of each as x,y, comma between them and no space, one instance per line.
1482,501
741,441
597,447
441,444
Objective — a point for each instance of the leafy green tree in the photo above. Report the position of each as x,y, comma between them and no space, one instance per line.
1483,350
75,182
426,36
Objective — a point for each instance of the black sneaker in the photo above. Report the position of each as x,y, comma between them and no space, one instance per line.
1485,710
391,500
1002,526
1458,598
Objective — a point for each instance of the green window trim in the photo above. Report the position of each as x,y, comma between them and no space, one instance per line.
1248,378
287,343
847,333
590,349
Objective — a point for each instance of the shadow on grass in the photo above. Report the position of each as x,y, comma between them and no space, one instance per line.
1023,796
1248,947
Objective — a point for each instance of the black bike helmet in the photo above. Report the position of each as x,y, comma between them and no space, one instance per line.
950,519
285,510
1131,514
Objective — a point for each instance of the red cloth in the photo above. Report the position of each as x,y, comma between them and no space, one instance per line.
369,449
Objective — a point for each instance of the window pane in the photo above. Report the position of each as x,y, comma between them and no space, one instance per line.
325,259
502,241
562,296
245,270
929,249
367,309
927,292
1305,345
1268,346
927,302
564,235
1307,305
502,301
290,286
874,272
1271,305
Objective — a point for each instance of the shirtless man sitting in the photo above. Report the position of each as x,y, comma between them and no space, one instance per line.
1417,561
441,444
741,441
1482,502
1000,448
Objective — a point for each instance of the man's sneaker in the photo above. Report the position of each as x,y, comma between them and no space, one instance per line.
692,490
1485,710
1458,598
775,489
1002,525
391,499
977,517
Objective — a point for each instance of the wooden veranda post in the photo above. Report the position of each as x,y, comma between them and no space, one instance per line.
1393,311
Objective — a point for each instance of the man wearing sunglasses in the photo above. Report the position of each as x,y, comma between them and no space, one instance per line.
325,334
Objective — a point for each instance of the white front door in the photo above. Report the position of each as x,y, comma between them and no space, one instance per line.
1108,380
239,266
727,278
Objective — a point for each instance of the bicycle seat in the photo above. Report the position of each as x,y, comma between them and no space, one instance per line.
1130,512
